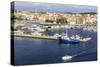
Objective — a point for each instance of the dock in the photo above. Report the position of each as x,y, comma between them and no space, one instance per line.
36,37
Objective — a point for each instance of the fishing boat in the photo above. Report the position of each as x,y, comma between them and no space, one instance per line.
73,40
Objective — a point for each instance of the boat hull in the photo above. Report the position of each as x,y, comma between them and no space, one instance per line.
68,41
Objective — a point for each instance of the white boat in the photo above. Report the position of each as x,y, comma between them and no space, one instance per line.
73,41
85,39
39,29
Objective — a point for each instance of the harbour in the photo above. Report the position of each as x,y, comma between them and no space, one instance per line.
34,37
51,51
53,33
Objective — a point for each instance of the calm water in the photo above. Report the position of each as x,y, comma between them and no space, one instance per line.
40,51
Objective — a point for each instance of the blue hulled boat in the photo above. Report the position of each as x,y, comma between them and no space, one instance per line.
73,41
61,40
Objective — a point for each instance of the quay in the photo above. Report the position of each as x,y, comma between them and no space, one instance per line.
34,36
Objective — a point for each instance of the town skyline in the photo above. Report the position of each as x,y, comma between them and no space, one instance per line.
51,7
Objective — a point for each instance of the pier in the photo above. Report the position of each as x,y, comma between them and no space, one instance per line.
35,36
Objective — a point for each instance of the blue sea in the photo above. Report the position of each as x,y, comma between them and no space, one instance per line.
41,51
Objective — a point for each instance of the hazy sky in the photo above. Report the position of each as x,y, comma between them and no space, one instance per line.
50,7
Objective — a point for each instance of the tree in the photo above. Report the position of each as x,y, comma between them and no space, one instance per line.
49,20
61,20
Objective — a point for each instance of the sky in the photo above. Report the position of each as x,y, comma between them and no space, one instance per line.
52,7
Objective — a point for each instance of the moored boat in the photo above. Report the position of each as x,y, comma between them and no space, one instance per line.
61,40
73,41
